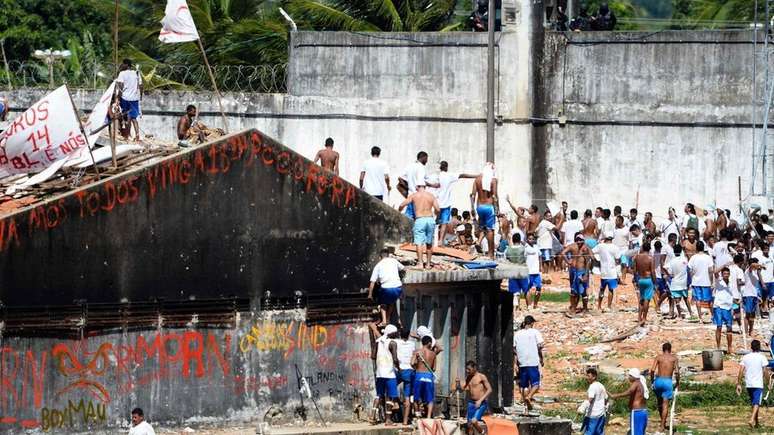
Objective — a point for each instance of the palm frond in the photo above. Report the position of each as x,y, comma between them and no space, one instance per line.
320,16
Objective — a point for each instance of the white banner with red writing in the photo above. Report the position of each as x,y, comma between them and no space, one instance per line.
45,133
98,115
177,24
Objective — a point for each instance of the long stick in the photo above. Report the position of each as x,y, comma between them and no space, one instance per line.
744,323
214,85
115,41
5,61
85,136
672,412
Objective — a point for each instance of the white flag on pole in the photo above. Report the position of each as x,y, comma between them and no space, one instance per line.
44,134
98,115
177,24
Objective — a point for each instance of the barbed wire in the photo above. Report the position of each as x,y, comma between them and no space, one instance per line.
229,78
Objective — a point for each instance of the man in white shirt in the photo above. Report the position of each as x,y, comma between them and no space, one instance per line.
532,254
752,367
723,302
677,275
608,254
606,227
545,239
701,267
387,274
446,181
670,226
766,263
414,175
139,425
570,228
128,93
633,219
594,420
528,352
375,176
751,291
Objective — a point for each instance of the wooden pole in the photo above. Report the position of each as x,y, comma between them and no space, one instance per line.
85,136
115,41
214,85
5,61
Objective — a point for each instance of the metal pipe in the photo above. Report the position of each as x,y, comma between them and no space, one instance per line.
490,74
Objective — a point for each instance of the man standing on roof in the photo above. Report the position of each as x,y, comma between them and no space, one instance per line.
425,207
446,180
415,174
375,176
129,93
484,203
328,158
387,274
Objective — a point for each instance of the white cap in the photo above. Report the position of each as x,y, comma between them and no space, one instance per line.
634,373
424,331
390,329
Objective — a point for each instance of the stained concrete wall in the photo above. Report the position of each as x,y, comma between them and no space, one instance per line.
236,217
664,117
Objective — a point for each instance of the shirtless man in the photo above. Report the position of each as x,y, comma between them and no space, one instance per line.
184,126
425,209
689,243
328,158
638,395
664,366
645,272
484,202
423,362
530,220
648,223
721,223
478,388
578,258
589,229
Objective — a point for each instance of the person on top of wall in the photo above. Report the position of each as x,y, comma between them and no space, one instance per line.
582,22
184,133
604,20
328,158
128,94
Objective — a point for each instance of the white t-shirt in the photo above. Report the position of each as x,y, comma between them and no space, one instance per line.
636,221
635,241
405,350
754,363
767,266
131,80
668,227
526,343
142,429
446,180
597,396
532,254
386,273
569,229
621,238
373,182
606,229
415,174
737,275
751,284
722,254
700,265
543,231
723,297
678,269
608,253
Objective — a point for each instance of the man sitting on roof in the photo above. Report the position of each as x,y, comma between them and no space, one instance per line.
186,130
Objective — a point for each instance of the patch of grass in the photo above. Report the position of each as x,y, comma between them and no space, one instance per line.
698,395
563,297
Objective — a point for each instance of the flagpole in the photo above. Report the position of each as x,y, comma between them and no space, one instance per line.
214,85
115,41
83,132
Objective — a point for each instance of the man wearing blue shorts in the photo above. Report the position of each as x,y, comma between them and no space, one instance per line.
386,364
766,263
646,280
753,366
637,393
723,302
664,367
528,354
751,292
128,92
425,209
484,202
608,255
424,377
701,267
387,274
478,388
405,353
578,258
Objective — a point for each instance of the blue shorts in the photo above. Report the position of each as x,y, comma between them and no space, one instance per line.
646,289
702,294
407,378
750,304
662,285
529,377
130,108
639,421
592,243
594,426
388,296
609,283
755,395
677,294
424,387
545,254
424,228
475,414
579,286
535,281
518,285
410,210
625,261
769,290
486,216
722,317
387,387
444,216
662,386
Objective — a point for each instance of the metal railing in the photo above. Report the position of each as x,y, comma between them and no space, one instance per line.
229,78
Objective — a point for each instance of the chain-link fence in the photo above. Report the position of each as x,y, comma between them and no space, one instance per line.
229,78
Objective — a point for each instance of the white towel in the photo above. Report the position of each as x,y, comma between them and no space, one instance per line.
487,175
